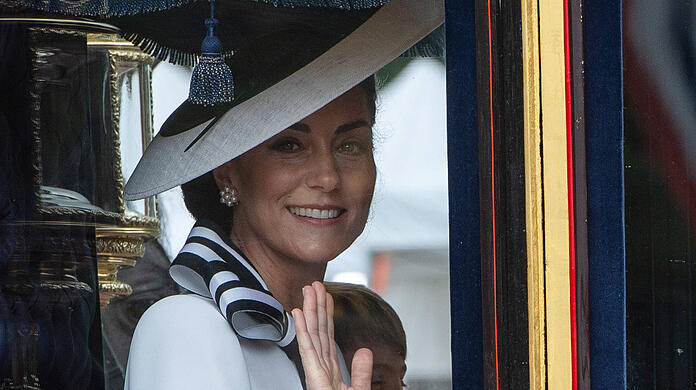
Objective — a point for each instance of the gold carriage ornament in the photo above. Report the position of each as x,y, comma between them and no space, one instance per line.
89,83
130,101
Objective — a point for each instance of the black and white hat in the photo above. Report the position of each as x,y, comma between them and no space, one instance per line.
287,63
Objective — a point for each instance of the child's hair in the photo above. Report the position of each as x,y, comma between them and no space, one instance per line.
363,319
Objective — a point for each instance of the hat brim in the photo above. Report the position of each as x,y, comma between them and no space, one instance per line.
178,158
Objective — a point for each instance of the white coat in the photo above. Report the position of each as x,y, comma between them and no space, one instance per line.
183,342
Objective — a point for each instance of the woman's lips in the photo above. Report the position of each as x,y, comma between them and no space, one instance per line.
317,213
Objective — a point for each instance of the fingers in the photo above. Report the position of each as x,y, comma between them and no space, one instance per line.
314,329
311,316
361,369
322,324
310,359
330,330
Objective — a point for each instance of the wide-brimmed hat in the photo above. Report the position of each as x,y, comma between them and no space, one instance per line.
287,64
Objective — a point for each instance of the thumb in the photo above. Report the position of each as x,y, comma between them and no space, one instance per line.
361,369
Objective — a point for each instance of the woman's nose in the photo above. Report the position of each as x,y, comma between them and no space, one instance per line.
323,174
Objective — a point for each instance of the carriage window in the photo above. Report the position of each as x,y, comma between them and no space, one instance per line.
660,184
80,264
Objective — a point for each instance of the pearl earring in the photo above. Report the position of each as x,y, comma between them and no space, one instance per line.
229,196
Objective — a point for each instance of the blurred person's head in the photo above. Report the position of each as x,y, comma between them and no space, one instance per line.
362,319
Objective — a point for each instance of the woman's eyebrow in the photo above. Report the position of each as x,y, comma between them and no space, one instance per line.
352,125
299,126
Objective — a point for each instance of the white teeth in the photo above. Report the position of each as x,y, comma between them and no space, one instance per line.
315,213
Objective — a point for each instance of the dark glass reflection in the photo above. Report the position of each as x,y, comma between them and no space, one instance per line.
50,328
660,168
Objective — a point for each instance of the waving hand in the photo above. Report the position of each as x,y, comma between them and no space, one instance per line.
314,327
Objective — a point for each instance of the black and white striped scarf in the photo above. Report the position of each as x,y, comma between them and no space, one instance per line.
210,265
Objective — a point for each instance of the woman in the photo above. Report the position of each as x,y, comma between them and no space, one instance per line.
303,196
292,166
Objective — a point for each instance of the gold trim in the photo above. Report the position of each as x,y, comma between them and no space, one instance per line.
117,247
121,62
66,211
120,246
555,195
57,30
107,40
66,23
123,59
145,231
109,290
534,195
115,129
131,58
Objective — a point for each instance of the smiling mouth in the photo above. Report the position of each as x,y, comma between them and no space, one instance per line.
315,213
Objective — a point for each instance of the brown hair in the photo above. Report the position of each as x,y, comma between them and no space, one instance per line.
363,319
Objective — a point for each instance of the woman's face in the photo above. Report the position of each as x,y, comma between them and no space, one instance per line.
306,193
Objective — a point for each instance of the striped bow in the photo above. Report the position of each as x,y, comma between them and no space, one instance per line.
210,265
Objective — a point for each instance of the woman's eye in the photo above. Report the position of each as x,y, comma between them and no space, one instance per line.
350,148
286,146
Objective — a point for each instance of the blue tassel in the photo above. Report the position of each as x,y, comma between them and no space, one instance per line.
211,81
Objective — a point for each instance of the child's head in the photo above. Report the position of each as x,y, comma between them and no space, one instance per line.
362,319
